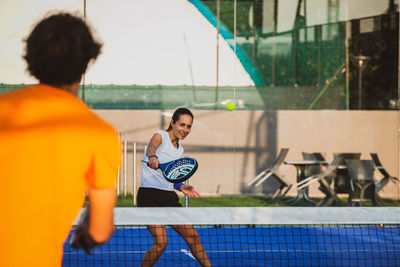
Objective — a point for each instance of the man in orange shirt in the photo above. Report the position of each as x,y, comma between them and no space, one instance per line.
53,150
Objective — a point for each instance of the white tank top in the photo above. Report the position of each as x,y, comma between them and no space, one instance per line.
165,153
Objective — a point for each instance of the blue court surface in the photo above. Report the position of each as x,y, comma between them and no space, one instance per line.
345,245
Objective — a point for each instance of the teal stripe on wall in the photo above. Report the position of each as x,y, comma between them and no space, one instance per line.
227,35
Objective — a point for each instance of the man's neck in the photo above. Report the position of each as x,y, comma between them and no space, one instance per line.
72,88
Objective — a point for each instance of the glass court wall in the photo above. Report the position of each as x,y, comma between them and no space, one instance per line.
310,76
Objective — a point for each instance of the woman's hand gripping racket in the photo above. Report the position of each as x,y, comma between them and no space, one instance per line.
178,170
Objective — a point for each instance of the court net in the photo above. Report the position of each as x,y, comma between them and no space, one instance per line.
290,236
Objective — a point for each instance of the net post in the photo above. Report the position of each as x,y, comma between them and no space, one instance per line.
125,145
134,173
186,197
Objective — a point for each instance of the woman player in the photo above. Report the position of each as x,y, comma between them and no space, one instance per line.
156,191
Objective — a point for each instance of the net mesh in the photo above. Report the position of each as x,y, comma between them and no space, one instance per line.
290,241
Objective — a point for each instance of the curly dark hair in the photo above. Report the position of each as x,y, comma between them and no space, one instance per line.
59,49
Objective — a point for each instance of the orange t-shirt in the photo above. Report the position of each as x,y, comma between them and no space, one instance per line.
52,147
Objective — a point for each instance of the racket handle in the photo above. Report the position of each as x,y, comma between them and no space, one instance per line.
148,164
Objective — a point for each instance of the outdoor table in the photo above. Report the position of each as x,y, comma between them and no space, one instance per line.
301,166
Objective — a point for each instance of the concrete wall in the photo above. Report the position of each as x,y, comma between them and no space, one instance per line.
232,147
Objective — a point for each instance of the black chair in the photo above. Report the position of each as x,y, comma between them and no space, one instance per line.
342,178
383,181
273,173
323,179
361,181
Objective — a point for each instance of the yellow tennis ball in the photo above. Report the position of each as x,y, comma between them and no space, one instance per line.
230,106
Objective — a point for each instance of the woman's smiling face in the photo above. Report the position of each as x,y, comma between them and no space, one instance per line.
182,127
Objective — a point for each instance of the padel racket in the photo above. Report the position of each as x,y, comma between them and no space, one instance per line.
81,237
178,170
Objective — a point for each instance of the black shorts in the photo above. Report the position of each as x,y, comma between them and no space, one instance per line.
152,197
